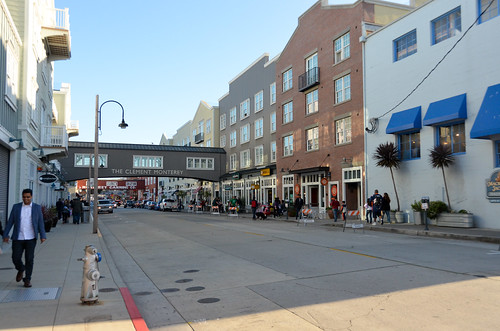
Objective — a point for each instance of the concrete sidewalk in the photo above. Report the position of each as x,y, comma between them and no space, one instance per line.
53,303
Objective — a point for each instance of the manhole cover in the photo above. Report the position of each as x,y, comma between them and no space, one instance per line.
195,288
184,280
108,289
143,293
170,290
32,294
6,268
209,300
191,271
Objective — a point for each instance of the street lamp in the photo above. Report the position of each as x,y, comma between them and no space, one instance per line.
122,125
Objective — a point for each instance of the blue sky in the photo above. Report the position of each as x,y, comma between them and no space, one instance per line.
159,58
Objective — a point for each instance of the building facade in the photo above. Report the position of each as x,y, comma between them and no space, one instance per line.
248,134
319,103
426,86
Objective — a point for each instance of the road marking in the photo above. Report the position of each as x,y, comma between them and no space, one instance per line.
493,253
360,254
255,234
133,311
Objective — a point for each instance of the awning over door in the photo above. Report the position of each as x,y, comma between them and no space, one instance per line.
487,123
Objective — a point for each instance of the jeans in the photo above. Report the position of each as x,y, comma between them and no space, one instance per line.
76,218
369,217
335,214
254,210
28,247
388,213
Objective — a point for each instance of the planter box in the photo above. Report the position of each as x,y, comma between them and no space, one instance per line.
455,220
399,217
418,217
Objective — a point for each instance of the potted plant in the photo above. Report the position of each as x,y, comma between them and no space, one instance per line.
55,218
48,215
435,209
387,156
418,215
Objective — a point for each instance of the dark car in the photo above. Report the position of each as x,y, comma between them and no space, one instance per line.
129,203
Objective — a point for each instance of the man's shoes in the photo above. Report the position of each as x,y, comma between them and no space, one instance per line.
27,283
19,276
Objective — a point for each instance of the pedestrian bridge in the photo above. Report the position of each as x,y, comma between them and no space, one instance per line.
137,160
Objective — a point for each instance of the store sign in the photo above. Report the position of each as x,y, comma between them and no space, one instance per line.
236,176
324,181
255,186
47,178
228,187
265,172
493,187
333,191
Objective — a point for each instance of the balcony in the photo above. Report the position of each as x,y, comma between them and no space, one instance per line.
73,128
55,33
199,138
54,142
309,79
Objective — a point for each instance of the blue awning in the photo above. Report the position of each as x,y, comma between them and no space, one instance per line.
447,110
487,121
406,120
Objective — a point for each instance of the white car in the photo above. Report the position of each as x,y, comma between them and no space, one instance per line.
168,204
105,206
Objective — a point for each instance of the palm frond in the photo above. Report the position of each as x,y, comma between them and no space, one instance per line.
441,156
387,155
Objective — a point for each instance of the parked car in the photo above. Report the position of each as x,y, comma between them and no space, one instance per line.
105,206
150,205
168,204
129,203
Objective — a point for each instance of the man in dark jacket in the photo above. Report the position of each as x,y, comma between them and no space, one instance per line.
299,203
77,209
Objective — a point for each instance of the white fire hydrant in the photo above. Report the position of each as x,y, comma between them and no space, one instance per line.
90,289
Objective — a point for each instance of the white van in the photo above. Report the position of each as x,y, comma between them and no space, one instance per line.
168,204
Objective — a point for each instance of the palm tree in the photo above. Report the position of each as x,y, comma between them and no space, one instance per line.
387,156
441,156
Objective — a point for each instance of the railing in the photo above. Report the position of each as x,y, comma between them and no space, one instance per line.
54,136
56,18
74,125
198,138
309,79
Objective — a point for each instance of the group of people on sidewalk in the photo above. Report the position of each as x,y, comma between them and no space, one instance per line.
262,210
66,208
377,208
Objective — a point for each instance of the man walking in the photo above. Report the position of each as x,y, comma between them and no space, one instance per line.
77,208
298,206
335,204
27,219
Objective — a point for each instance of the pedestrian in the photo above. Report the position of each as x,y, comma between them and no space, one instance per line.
59,207
77,209
376,198
276,206
253,204
386,208
344,210
26,219
299,202
335,204
368,207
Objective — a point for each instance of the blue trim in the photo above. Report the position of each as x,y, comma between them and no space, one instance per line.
479,10
447,110
406,120
448,14
487,121
453,134
404,37
497,153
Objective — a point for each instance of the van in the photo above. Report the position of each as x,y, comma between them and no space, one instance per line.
168,204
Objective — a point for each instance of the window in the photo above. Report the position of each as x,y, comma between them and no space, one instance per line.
446,26
343,131
200,163
288,112
244,109
312,102
288,145
200,127
223,141
273,121
405,45
194,134
232,116
232,162
83,160
222,124
409,146
12,76
259,155
259,101
245,134
312,139
209,143
343,89
148,162
232,139
245,159
492,11
497,151
209,125
272,93
287,80
259,128
273,151
453,136
342,48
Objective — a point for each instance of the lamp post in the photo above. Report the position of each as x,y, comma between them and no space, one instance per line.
122,125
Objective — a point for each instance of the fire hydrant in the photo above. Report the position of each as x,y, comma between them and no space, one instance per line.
90,289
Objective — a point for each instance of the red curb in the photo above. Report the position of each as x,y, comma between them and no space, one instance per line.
134,313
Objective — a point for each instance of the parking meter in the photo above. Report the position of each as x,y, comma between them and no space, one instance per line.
425,207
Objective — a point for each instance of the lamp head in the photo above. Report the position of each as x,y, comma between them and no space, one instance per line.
123,125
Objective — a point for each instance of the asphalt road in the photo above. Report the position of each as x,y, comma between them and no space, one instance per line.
208,272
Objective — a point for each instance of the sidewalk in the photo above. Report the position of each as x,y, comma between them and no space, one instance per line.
53,303
474,234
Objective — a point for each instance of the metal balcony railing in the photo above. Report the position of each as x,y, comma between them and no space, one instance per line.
309,79
56,18
198,138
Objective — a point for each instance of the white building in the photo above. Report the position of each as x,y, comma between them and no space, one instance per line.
418,105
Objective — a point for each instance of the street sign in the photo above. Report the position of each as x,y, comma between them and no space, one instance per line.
47,178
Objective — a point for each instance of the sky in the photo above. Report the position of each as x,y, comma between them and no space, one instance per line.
160,58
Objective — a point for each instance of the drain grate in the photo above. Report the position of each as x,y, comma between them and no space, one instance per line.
170,290
195,288
31,294
209,300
